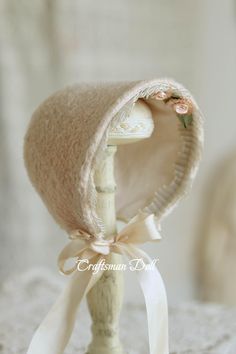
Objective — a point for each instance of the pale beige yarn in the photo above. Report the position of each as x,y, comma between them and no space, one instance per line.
68,132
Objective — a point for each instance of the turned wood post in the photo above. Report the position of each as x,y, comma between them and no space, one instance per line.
106,297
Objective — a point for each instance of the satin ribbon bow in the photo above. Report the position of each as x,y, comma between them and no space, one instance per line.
54,332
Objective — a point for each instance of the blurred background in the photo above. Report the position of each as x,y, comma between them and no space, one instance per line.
47,44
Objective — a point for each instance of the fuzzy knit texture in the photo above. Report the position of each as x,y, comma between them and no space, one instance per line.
68,132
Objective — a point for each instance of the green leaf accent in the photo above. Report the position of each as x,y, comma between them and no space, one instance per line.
175,96
186,119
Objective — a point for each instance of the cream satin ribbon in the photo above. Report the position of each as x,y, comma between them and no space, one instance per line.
54,332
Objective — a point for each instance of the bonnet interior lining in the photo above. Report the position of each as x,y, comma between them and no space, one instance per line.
143,167
180,156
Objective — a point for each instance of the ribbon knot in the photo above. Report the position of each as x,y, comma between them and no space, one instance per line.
53,334
101,246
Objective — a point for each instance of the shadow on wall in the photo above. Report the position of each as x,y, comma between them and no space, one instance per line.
217,248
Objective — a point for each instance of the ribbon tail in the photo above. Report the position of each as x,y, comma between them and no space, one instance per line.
53,334
154,292
157,310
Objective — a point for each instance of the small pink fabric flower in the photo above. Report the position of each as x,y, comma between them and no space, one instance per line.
162,95
183,106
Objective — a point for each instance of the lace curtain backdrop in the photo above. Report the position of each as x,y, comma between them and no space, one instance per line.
46,44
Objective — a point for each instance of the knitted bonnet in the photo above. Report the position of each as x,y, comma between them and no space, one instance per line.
68,133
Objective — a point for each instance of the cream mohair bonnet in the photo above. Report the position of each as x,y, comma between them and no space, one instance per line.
68,132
